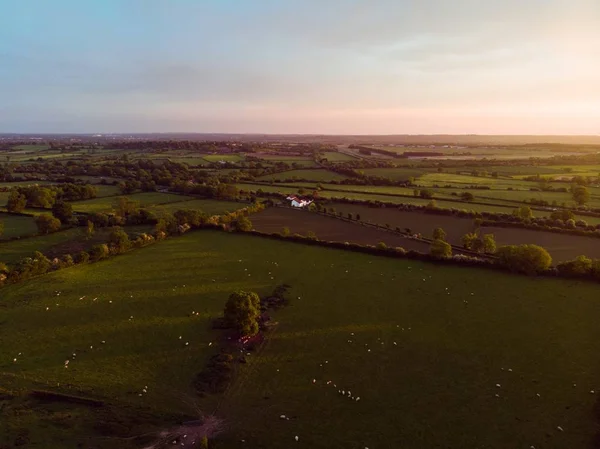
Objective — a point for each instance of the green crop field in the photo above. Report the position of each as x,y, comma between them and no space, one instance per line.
224,157
442,179
11,252
334,156
396,174
439,356
32,147
292,159
107,190
144,199
10,185
194,160
317,175
211,207
71,239
16,226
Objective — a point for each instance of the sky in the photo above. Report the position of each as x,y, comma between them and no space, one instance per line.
301,66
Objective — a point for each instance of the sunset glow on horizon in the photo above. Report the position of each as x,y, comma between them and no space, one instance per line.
301,66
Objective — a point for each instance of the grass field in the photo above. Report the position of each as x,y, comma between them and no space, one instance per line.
144,199
334,156
211,207
69,240
10,185
303,161
396,174
32,147
106,190
192,160
503,371
16,226
15,250
317,175
224,157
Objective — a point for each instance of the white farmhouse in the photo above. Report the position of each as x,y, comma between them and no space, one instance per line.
297,202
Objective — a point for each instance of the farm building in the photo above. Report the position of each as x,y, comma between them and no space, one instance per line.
297,202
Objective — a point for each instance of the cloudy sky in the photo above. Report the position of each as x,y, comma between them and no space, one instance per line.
301,66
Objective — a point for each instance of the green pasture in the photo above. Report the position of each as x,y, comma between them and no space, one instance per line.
439,356
211,207
317,175
335,156
396,174
13,251
106,190
145,199
224,157
31,147
10,185
16,226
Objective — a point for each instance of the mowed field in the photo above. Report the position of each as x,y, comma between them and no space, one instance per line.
16,226
274,219
70,240
144,199
211,207
503,370
317,175
224,157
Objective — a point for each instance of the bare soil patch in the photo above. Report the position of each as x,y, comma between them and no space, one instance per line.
328,228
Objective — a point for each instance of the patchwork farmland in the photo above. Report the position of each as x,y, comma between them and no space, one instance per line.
377,315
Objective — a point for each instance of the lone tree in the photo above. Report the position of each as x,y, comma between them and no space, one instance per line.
439,234
528,259
63,211
440,249
581,194
16,202
46,223
242,311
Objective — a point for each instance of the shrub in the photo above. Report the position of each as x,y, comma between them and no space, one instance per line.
528,259
580,266
82,257
99,252
46,223
440,249
217,374
242,224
